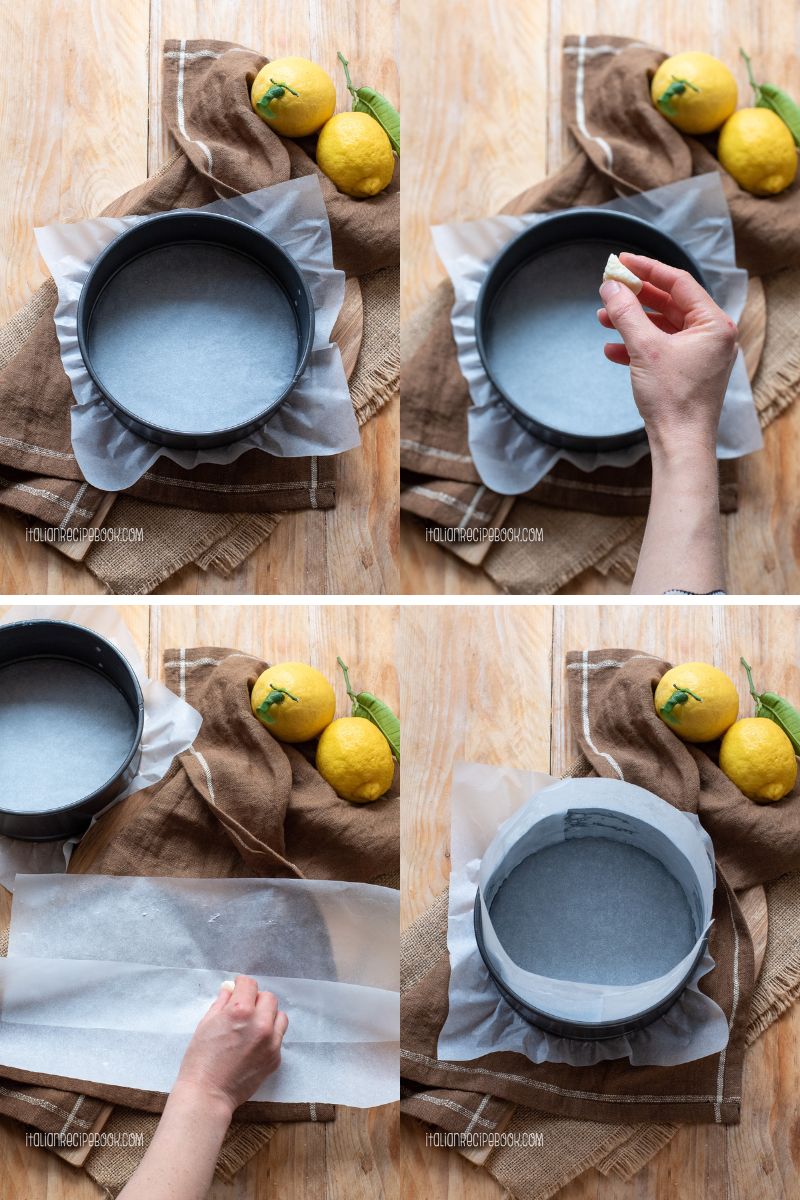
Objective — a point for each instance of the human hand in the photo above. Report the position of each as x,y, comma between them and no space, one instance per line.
680,355
235,1046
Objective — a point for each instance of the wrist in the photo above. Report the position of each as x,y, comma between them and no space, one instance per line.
686,454
201,1099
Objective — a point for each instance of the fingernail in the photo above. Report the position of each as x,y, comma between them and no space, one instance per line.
609,288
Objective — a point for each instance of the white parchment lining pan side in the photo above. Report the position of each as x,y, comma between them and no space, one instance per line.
479,1021
656,828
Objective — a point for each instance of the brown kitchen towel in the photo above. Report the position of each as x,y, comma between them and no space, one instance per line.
624,146
621,736
224,149
237,804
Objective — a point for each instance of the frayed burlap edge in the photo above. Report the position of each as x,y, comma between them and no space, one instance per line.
624,558
246,536
777,378
112,1166
509,563
16,332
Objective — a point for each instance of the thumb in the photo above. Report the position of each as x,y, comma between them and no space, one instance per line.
627,315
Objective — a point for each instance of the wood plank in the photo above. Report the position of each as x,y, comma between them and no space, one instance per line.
475,685
472,72
75,136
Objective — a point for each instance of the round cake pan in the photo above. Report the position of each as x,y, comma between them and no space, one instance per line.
71,719
537,331
195,328
596,896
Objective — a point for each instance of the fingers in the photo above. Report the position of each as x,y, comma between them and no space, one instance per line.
627,316
281,1025
654,318
244,995
662,302
267,1004
615,352
223,996
683,288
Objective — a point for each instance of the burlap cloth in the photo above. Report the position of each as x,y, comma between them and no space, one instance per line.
238,804
587,1116
624,146
224,149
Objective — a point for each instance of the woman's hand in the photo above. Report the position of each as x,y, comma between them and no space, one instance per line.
680,356
236,1045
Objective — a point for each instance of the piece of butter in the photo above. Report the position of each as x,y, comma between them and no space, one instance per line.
620,274
228,985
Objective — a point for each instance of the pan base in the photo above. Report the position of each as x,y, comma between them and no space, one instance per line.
194,338
544,346
593,910
65,730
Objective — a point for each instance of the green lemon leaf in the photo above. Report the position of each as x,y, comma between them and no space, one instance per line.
377,711
367,100
775,708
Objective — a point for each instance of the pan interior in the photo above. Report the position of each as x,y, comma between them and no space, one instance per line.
194,337
544,344
593,910
65,730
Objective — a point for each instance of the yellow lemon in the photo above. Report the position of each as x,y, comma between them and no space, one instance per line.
355,153
354,757
757,149
759,758
294,96
294,701
694,91
697,701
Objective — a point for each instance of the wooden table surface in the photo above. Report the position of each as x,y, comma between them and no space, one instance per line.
498,687
354,1157
80,98
483,122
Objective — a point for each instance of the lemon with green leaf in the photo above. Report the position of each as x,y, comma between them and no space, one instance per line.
294,701
697,701
294,96
694,91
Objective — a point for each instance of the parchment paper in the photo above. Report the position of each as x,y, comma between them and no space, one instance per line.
317,419
158,951
508,459
170,727
491,809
